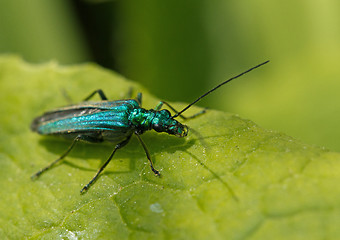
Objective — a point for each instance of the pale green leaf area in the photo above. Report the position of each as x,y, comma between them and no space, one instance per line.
228,179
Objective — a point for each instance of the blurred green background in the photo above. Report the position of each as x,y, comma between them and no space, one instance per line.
179,49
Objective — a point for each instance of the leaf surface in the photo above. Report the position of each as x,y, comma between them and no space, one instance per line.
228,179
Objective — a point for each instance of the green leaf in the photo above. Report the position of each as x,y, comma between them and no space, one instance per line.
228,179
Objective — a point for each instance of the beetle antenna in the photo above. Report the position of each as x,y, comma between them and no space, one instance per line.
220,85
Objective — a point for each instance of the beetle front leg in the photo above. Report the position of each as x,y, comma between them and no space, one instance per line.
156,172
139,98
160,104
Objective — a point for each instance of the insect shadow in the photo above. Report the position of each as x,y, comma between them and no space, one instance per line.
133,150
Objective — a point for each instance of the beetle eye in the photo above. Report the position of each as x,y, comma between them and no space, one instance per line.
158,128
166,112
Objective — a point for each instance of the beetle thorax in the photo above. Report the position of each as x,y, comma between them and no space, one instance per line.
161,121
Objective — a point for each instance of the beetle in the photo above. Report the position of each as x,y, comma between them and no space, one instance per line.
113,121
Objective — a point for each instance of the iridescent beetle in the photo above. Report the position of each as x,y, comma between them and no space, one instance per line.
113,121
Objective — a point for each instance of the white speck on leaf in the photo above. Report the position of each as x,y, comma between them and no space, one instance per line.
156,207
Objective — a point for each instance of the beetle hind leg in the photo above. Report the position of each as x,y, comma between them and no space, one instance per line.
37,174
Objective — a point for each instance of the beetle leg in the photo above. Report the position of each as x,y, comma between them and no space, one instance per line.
36,175
98,91
139,99
118,146
156,172
160,104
